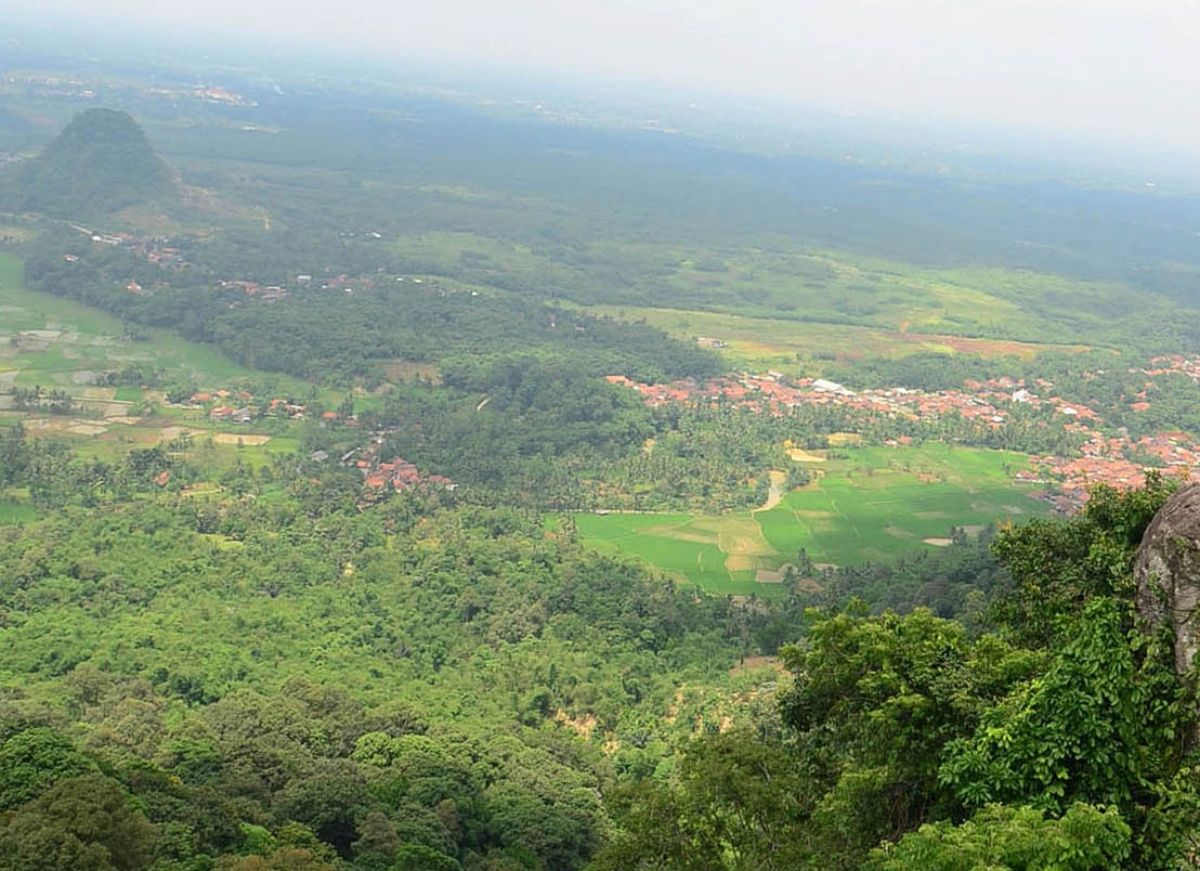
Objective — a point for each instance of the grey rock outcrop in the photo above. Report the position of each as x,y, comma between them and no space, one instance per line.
1167,570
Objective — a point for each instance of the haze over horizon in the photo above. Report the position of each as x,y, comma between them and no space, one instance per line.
1112,72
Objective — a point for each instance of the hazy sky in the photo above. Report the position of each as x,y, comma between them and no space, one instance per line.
1113,69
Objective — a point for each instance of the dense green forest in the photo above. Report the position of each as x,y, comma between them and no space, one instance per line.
380,688
297,683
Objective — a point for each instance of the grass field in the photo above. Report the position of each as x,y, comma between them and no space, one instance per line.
865,504
14,511
780,280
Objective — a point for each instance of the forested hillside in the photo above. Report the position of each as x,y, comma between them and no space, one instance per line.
382,689
301,685
347,334
99,164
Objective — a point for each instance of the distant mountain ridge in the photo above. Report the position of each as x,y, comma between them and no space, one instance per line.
100,163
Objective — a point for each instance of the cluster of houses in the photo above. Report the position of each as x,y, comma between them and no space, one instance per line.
222,97
161,251
771,392
1117,461
396,474
1031,394
273,292
252,289
1175,364
155,249
245,414
60,87
48,86
236,406
158,250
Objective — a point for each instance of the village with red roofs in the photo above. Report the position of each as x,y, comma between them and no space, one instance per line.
1105,456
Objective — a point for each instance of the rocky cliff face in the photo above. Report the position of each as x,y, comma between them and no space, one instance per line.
1167,569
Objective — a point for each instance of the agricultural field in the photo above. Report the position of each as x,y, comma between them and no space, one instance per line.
15,510
59,344
720,554
789,297
771,343
443,252
54,341
864,504
784,281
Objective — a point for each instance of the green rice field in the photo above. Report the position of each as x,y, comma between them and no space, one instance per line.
864,504
58,343
15,507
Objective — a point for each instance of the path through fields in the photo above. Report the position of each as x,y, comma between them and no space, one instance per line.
775,494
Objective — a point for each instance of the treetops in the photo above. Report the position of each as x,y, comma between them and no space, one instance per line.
287,685
1054,739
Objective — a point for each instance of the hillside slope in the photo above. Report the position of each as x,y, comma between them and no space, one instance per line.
100,163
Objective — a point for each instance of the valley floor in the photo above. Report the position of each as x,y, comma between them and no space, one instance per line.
864,503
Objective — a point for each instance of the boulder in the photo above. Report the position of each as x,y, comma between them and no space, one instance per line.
1167,570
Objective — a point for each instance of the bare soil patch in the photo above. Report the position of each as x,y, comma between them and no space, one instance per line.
809,585
87,429
248,439
738,562
775,493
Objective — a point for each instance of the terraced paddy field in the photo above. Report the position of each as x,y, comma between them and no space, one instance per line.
864,504
721,554
56,342
59,344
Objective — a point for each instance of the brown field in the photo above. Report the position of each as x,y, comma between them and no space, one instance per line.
232,438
